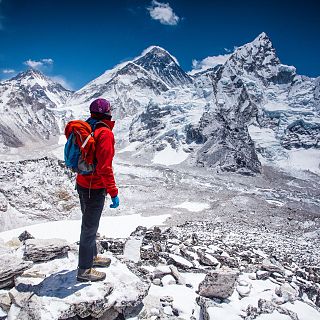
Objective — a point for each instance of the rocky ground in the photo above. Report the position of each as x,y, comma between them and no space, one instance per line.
159,273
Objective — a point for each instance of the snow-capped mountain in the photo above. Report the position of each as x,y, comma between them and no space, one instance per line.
159,62
253,89
26,104
251,110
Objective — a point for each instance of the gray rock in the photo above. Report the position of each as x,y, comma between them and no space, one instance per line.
176,274
5,301
61,296
287,293
272,265
262,275
25,235
116,246
179,261
244,291
207,259
10,267
38,250
219,283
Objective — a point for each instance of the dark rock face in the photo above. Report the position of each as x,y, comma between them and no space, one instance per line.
148,124
161,64
300,134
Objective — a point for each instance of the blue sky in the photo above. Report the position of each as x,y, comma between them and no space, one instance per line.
75,41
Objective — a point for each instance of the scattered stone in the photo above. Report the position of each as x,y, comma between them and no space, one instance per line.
5,301
168,310
252,276
244,291
262,275
168,280
227,261
161,271
116,246
243,283
287,293
272,265
266,306
140,231
25,235
37,250
207,259
219,283
166,299
10,267
154,312
156,281
176,274
179,261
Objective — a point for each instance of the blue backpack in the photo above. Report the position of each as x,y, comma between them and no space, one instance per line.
80,157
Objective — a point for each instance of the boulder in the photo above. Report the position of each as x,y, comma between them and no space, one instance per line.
5,301
207,259
62,297
262,275
179,261
272,265
38,250
10,267
287,293
219,283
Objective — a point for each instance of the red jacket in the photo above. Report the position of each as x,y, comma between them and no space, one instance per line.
103,176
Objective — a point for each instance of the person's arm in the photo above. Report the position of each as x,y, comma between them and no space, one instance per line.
104,155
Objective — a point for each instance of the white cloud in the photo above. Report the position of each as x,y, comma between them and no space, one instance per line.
8,71
47,61
63,81
38,64
209,62
163,12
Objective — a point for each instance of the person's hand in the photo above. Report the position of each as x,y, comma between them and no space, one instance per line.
115,202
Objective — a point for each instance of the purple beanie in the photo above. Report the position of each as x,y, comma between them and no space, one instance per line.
100,106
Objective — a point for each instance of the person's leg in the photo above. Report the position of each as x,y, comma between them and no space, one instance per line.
91,212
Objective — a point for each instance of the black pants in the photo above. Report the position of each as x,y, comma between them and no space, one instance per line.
92,202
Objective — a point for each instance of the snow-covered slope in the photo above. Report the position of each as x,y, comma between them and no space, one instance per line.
26,103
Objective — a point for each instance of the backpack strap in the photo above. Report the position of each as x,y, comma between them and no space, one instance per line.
100,122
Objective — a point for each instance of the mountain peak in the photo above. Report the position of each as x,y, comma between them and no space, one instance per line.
158,52
30,73
162,64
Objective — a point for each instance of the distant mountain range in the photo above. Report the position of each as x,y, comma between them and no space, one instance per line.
231,117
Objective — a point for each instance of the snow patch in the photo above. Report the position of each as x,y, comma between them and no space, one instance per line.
114,227
193,206
170,156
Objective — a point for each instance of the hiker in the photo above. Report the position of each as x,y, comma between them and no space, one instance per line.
92,189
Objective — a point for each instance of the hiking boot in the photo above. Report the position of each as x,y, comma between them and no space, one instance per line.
90,275
102,262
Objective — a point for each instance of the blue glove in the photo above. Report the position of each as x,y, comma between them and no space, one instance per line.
115,202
